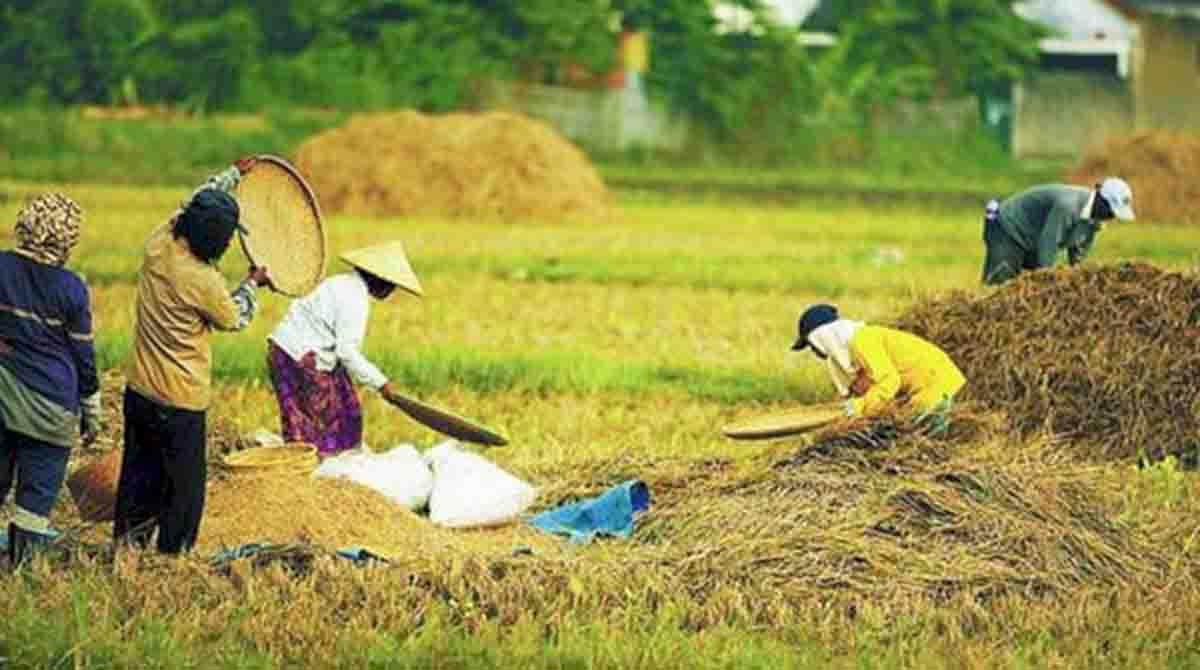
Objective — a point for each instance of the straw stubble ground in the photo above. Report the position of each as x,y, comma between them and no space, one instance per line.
614,352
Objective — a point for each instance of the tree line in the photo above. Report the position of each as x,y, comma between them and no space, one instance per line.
429,54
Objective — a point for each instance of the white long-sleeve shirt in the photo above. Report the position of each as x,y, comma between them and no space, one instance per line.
332,321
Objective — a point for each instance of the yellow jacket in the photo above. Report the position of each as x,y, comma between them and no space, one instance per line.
896,361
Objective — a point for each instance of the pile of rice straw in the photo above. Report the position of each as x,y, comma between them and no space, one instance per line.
1162,167
1104,356
493,164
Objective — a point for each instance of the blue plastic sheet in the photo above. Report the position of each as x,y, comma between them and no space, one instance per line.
611,513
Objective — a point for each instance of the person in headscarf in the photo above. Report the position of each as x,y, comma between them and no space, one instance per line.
315,358
49,389
874,366
1028,230
181,299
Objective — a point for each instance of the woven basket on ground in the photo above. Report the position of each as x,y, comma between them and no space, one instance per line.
291,458
286,232
94,487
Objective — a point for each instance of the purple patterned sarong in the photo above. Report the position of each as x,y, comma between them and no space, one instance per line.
317,407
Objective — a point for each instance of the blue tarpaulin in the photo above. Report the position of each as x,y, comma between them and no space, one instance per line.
611,513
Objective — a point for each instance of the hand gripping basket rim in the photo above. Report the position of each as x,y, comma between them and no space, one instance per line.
283,270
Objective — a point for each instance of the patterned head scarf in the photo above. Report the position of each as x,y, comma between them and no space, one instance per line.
48,228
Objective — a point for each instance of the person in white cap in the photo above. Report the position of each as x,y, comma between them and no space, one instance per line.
314,355
1028,230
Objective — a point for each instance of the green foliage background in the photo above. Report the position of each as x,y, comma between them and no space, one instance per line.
234,55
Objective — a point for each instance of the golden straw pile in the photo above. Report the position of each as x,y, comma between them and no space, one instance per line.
336,513
883,516
494,164
1104,356
1162,167
925,518
880,517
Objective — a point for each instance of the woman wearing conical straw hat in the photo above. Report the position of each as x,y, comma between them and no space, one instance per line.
315,356
871,366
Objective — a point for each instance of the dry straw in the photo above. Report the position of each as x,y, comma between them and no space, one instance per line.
1161,167
1104,356
873,519
885,508
494,164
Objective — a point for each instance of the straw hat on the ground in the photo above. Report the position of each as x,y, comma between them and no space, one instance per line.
386,261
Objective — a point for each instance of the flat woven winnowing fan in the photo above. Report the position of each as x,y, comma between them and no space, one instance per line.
446,423
287,235
783,424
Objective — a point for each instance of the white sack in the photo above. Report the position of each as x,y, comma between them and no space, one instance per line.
471,491
400,473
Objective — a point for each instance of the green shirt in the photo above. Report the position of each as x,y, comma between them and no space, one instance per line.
1046,219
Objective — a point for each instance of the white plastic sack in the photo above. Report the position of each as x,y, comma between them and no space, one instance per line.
400,473
471,491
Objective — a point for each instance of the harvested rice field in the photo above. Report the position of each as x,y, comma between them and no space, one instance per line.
1054,524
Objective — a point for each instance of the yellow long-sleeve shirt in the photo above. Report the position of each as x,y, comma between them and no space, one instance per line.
896,361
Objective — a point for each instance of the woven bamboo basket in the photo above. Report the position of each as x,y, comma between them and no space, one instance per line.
291,458
286,231
783,424
94,487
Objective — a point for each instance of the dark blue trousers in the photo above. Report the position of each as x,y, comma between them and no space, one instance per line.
37,468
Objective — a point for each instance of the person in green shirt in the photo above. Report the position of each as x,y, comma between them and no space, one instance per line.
1028,230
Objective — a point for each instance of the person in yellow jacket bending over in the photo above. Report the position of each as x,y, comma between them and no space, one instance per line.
872,366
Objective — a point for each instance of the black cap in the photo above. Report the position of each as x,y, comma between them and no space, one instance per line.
813,318
215,206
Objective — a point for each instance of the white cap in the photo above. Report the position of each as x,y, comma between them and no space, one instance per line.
1119,197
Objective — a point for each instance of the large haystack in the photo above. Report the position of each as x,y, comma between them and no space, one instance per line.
494,164
918,517
1105,356
1162,167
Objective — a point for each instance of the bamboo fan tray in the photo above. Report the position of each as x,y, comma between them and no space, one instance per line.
446,422
287,234
783,424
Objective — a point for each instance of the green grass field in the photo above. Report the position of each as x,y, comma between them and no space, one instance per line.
609,350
